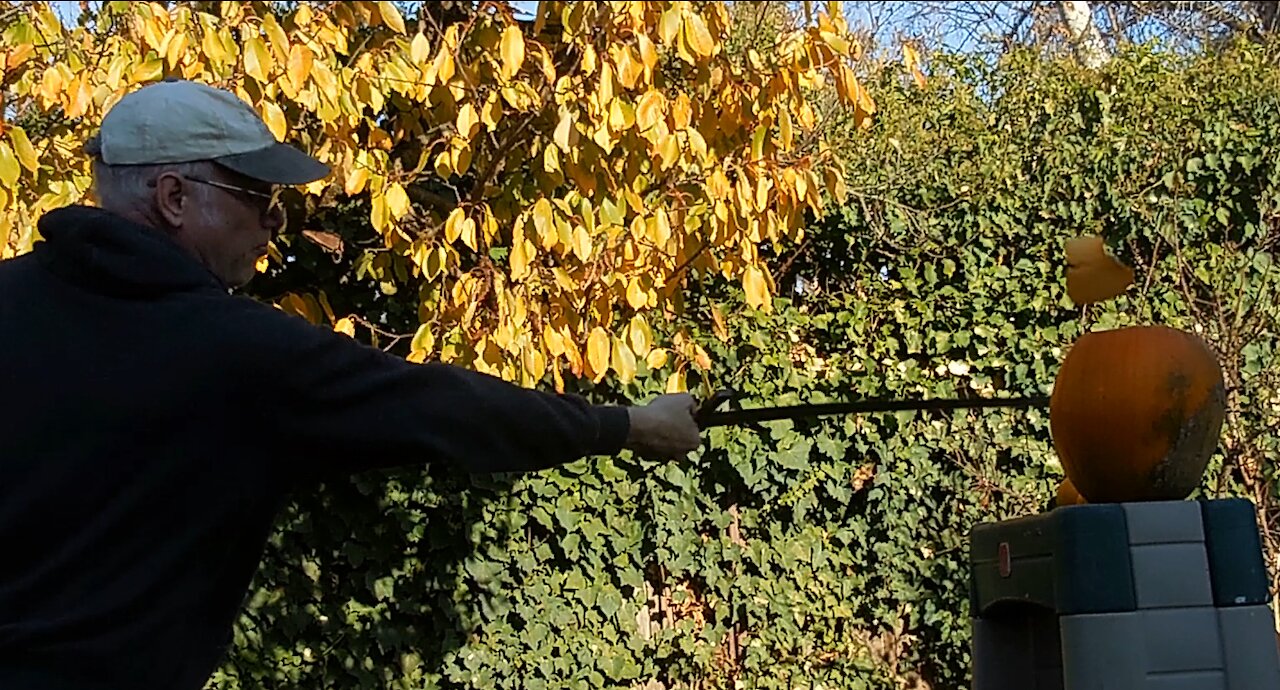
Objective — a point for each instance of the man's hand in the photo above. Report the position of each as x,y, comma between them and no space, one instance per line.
664,428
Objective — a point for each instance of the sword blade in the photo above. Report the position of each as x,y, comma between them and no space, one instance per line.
764,414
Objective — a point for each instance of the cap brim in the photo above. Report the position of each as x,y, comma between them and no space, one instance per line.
278,164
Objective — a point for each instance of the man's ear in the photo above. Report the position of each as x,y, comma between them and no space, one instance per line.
170,198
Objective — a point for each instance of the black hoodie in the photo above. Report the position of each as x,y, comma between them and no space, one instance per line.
152,426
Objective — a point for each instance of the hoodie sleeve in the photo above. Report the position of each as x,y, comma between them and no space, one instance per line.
352,407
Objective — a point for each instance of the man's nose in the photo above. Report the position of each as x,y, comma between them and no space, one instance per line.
273,220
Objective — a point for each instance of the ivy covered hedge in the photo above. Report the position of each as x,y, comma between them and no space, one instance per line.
827,553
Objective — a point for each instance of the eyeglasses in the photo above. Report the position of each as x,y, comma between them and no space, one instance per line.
273,204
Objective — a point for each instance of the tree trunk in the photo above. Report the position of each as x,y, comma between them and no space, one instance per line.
1085,37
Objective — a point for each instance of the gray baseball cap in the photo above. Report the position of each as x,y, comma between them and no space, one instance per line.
179,121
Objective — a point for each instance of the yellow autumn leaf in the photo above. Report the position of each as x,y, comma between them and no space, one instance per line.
835,184
345,325
648,53
468,233
453,225
582,243
545,62
650,109
551,159
656,359
18,55
837,42
764,184
460,152
356,179
420,49
379,217
257,61
488,223
468,121
718,323
397,200
9,169
564,130
424,339
512,51
324,304
52,84
300,59
435,263
211,44
444,164
533,363
588,63
443,67
391,16
522,253
814,197
598,352
277,39
144,72
697,144
681,112
176,49
623,361
636,295
675,383
806,117
621,115
302,305
274,117
544,224
700,358
151,33
639,335
669,150
491,111
718,185
753,283
669,26
330,101
22,147
629,68
1093,275
552,341
864,106
698,36
911,59
659,230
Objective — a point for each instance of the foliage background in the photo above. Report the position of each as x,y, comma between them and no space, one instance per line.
825,553
831,554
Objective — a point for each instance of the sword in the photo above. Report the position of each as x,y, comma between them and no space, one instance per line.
709,415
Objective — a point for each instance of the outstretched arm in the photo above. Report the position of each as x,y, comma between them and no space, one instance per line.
349,407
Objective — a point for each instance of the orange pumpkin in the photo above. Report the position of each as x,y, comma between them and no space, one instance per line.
1067,494
1136,412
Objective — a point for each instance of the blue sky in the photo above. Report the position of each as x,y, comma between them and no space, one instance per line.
859,14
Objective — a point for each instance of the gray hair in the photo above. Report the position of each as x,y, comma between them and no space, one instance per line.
127,187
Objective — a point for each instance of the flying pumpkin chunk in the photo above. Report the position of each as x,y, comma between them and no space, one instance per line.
1136,413
1093,275
1067,494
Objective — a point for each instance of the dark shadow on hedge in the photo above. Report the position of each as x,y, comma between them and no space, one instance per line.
365,583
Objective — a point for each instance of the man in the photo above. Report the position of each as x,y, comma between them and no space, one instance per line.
153,423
